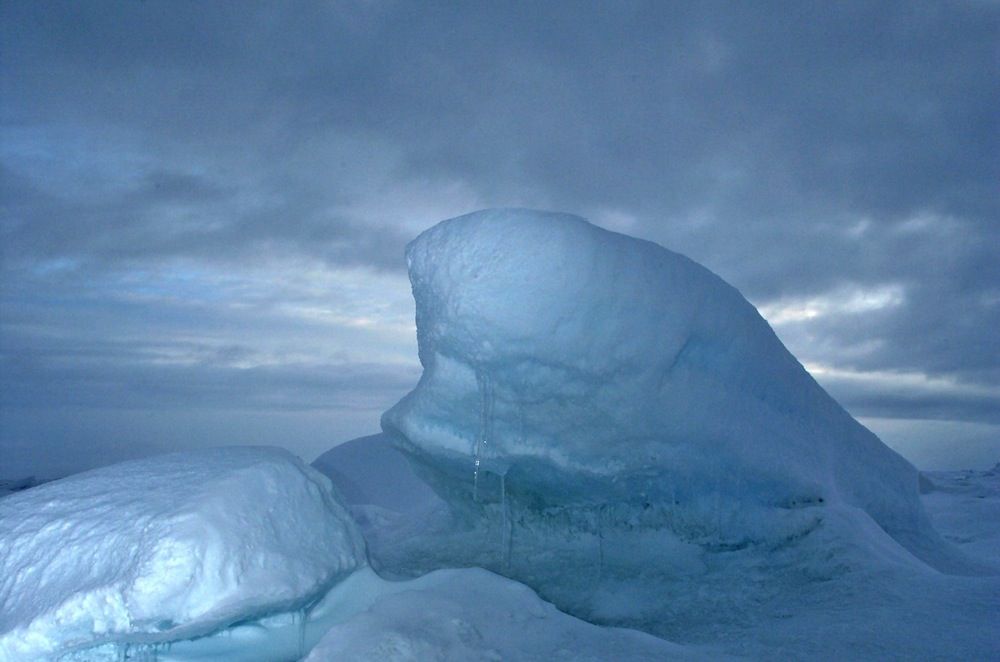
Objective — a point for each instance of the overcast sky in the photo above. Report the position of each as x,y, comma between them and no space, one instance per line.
205,204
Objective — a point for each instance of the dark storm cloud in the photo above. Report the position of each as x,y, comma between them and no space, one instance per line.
779,118
798,149
168,214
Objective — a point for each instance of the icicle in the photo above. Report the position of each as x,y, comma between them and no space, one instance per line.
520,423
505,531
600,543
503,501
718,503
301,618
485,385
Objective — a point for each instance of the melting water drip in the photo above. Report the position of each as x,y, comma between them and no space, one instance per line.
505,531
485,385
718,503
600,542
300,621
128,652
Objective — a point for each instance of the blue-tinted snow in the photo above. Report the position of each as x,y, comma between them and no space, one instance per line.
167,548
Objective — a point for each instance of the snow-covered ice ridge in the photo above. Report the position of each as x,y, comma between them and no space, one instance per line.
588,368
584,389
166,549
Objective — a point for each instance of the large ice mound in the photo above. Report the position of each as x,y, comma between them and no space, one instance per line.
167,548
581,377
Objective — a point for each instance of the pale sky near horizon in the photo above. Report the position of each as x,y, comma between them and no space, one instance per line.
204,205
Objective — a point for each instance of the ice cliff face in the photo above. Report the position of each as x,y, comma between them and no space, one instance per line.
573,370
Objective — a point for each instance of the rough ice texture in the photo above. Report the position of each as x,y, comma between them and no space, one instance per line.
167,548
613,383
965,508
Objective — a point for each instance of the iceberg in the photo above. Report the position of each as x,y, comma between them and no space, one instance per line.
144,554
591,400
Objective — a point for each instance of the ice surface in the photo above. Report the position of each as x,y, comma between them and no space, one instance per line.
167,548
844,591
612,423
965,508
472,615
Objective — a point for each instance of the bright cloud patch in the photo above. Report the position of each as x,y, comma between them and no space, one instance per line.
845,301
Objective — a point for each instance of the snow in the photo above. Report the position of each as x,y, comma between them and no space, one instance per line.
167,548
965,508
8,486
472,614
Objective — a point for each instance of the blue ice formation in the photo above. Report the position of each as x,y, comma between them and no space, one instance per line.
581,380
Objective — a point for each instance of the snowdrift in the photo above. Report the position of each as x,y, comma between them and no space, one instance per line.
472,614
595,400
167,548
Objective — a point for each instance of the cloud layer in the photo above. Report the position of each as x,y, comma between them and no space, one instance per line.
205,205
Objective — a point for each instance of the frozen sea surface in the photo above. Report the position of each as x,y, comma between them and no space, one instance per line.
965,508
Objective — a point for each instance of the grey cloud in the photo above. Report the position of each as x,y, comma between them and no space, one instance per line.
172,214
791,147
886,399
775,117
29,382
